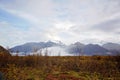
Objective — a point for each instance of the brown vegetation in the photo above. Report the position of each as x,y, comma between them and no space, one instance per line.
4,52
37,67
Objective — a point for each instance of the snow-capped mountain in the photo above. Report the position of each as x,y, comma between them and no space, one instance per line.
58,48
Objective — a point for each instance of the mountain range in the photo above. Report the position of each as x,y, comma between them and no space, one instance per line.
74,49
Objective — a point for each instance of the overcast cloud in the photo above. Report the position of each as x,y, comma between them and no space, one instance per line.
87,21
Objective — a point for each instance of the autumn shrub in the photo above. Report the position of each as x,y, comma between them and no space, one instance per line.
35,67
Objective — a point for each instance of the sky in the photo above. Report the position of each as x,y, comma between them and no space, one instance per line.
68,21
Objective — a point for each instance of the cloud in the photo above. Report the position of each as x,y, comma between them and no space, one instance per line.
64,20
12,35
9,34
109,26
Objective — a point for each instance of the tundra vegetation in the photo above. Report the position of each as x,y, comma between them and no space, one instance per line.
38,67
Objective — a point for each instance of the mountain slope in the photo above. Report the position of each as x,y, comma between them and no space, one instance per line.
94,49
90,49
112,46
75,48
3,51
33,46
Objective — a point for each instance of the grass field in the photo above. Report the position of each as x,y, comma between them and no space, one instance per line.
60,67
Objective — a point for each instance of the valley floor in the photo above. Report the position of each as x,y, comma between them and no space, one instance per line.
59,67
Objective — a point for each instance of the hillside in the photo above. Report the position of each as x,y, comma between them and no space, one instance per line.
4,52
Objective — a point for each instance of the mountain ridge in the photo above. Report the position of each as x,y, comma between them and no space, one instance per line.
76,48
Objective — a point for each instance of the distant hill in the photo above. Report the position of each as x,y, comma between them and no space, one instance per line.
3,51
